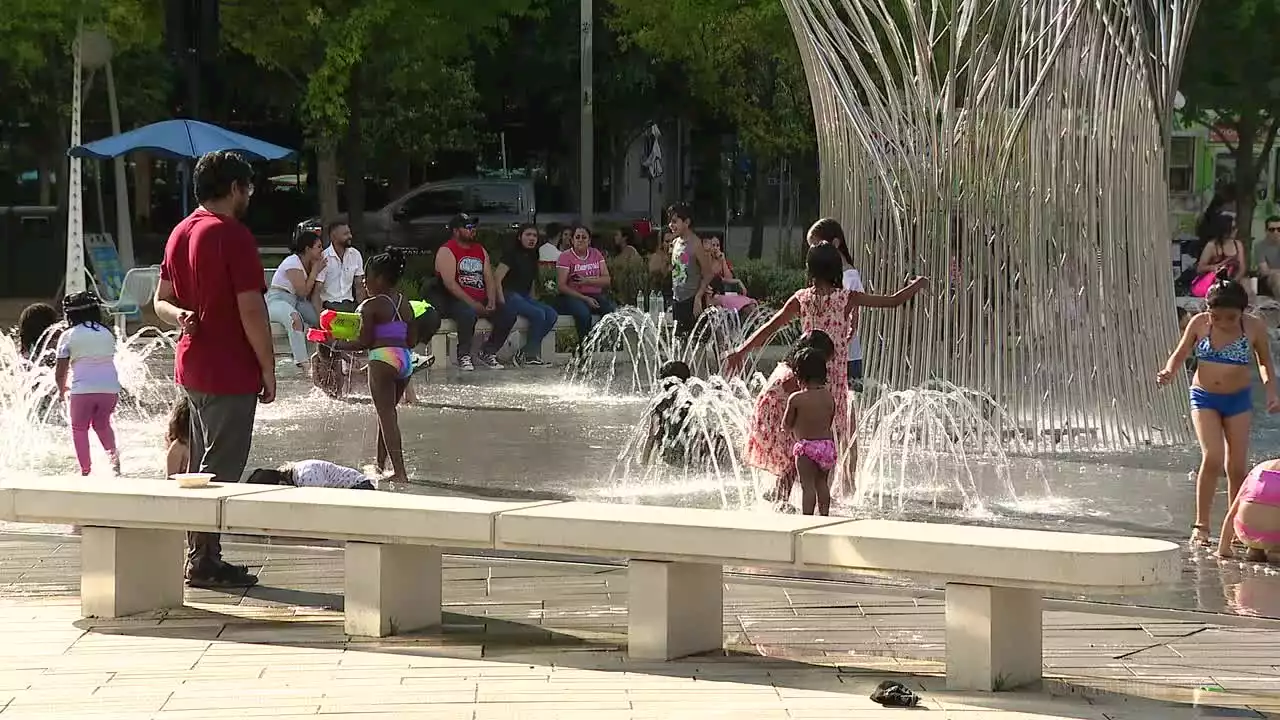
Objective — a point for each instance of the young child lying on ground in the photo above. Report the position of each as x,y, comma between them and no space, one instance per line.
312,473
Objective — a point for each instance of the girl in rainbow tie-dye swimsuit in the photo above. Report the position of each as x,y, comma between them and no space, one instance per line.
388,338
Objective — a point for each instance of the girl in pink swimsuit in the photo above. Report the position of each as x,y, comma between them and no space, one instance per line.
810,415
1254,516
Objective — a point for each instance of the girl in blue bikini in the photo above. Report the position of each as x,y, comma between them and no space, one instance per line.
388,335
1226,341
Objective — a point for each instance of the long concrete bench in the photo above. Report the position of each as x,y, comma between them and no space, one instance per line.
131,554
446,339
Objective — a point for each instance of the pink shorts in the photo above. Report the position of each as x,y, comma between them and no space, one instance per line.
821,452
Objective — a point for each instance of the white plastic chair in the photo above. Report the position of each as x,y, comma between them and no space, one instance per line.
136,292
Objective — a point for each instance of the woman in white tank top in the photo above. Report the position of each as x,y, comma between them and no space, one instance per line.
289,298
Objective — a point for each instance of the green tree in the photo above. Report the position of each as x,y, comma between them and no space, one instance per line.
741,60
343,54
1231,80
36,39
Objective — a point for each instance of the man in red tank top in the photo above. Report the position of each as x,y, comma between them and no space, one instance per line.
470,293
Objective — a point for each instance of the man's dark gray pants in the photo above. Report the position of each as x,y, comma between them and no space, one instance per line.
221,435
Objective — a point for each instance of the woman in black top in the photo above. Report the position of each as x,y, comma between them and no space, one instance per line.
517,281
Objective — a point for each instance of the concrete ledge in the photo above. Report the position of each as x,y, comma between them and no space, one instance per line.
445,340
122,502
6,504
656,533
368,516
992,556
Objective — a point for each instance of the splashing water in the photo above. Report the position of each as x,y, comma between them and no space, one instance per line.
688,442
626,349
939,444
33,420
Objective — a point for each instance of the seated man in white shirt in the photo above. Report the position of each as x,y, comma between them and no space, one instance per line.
341,286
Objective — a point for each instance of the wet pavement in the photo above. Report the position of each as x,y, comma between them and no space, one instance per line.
527,434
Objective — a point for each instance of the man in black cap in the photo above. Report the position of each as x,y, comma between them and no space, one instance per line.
471,292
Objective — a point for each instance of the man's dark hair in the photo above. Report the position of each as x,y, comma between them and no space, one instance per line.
682,211
1273,219
333,225
217,172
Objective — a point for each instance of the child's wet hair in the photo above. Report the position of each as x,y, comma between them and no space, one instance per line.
812,340
809,366
675,369
179,429
1226,293
271,476
825,265
35,319
388,265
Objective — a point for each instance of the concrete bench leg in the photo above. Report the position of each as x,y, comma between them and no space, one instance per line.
126,571
675,609
440,348
391,589
994,637
549,345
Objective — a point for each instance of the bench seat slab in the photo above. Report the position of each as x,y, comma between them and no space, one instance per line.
675,609
129,571
391,589
994,637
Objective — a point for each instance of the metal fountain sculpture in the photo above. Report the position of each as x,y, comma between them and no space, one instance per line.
1014,151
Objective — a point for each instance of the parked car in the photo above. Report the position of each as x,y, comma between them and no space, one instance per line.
420,217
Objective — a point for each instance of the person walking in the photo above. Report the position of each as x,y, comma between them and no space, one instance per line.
211,286
87,351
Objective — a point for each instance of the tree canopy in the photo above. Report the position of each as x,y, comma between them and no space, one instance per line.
1231,81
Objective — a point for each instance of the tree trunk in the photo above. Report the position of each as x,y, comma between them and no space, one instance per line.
401,175
1246,176
327,181
353,155
756,191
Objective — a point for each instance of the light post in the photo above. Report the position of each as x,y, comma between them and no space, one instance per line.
74,281
92,50
586,140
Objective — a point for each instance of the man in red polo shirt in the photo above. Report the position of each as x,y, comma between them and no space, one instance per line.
211,286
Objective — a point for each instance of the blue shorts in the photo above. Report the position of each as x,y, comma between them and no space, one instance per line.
1225,404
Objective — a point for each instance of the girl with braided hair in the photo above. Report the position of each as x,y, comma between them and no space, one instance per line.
387,333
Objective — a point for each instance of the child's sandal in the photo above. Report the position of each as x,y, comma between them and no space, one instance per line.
1199,535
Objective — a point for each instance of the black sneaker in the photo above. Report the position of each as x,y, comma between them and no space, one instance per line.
226,577
523,360
490,361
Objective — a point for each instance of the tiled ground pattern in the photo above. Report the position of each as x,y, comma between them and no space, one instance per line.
540,640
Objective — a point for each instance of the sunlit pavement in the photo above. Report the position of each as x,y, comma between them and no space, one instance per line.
546,640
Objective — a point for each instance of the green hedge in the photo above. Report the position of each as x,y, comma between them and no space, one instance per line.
769,283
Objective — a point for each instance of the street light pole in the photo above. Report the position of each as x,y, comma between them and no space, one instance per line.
586,141
74,280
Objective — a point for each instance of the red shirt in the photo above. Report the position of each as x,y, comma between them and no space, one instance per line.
469,268
210,259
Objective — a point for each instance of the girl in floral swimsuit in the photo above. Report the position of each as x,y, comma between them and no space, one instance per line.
825,305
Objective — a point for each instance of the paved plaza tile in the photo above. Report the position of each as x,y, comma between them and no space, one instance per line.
525,640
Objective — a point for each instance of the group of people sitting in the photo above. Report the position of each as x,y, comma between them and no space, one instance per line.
467,286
